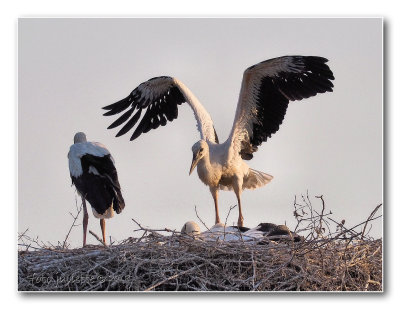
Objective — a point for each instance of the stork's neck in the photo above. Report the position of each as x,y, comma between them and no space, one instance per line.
204,169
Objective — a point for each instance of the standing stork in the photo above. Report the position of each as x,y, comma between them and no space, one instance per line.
94,175
266,90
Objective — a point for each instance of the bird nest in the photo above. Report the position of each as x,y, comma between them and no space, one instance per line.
343,259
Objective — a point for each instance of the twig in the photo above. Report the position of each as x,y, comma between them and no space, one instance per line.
322,213
227,216
72,225
98,238
229,212
369,219
21,235
202,222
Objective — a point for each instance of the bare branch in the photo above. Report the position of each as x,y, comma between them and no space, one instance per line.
98,238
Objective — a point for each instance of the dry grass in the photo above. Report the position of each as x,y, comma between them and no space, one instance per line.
331,258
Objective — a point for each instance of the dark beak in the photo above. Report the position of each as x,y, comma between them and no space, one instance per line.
195,160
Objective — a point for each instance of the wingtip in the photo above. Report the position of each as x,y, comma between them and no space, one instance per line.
323,59
109,106
133,137
136,134
120,132
318,58
109,113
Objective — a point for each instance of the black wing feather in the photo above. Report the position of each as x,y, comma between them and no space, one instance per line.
160,106
130,124
304,77
103,189
119,106
121,119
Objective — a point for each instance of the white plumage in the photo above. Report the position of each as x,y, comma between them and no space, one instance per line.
265,93
78,150
221,232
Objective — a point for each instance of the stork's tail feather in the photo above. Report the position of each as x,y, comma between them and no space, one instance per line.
118,203
256,179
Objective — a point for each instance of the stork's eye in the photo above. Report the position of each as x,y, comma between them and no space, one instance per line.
201,149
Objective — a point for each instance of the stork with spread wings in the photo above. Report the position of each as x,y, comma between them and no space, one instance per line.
267,88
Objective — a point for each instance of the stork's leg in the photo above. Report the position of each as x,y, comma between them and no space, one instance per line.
238,191
103,229
85,221
240,219
214,192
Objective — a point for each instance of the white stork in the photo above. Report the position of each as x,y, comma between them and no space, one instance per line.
94,175
266,90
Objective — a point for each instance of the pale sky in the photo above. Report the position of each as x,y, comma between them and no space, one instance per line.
68,69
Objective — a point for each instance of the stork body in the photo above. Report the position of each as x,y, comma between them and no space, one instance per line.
266,90
95,177
221,170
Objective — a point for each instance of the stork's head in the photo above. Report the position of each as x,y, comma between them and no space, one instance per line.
200,149
79,137
191,228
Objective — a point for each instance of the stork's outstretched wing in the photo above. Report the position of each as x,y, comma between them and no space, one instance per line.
159,97
267,88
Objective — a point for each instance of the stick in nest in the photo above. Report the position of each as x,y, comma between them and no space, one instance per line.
73,222
98,238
